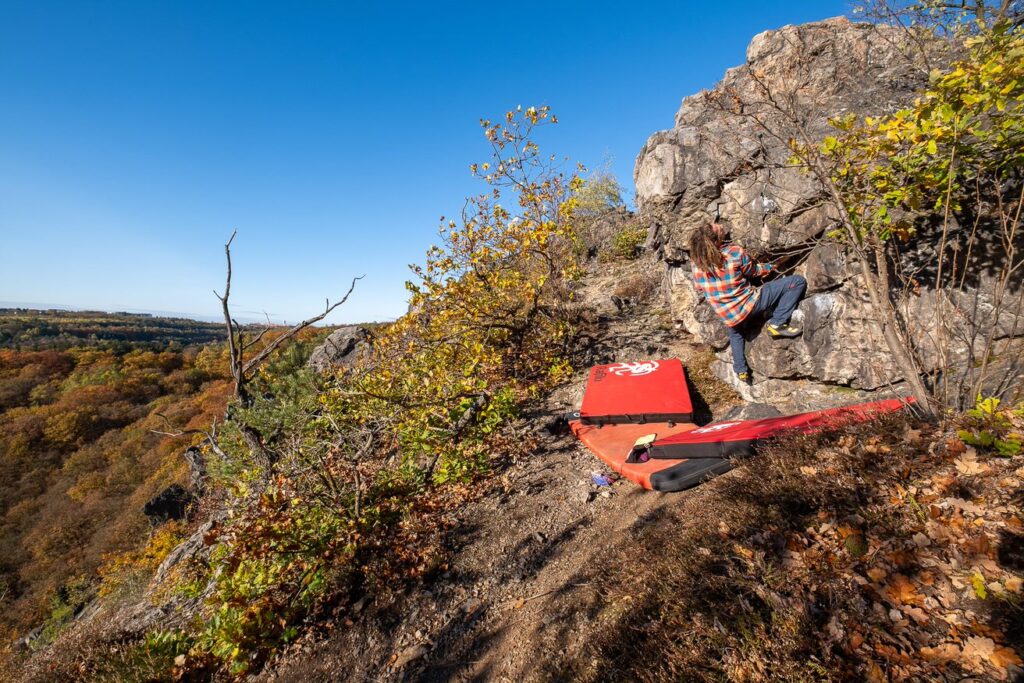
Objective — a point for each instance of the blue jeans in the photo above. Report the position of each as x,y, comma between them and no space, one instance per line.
778,299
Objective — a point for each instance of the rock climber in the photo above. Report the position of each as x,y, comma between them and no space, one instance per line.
722,272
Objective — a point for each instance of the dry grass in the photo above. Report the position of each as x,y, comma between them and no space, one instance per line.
86,652
640,286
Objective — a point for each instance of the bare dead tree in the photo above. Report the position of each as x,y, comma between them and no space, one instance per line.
193,455
209,437
244,368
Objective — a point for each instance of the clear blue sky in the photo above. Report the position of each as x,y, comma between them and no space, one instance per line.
134,136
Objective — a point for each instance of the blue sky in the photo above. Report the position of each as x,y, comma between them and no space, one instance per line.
134,136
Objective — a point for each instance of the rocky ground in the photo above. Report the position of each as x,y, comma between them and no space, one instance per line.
517,582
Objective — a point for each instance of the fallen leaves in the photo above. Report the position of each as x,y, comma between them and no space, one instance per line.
941,654
1004,657
933,574
900,557
978,649
903,591
968,463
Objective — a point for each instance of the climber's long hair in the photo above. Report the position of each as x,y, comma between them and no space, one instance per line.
705,251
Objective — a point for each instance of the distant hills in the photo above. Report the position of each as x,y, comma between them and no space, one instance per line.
55,329
175,315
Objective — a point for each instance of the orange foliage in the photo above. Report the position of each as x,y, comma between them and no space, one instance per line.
79,459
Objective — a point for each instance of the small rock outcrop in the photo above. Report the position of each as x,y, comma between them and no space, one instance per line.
340,349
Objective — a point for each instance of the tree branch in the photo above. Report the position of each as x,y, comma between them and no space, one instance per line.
255,361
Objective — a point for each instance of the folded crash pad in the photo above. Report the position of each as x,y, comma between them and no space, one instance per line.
639,392
740,438
612,444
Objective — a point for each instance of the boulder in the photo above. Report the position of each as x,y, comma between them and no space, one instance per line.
727,152
839,345
727,156
171,503
340,349
827,266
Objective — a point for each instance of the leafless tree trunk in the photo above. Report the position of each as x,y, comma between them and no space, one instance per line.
243,369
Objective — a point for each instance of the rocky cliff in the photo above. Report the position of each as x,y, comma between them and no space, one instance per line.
727,156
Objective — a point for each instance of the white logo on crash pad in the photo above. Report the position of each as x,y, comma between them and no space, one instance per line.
634,369
714,428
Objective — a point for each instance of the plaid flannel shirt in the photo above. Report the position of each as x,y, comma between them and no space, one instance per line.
727,289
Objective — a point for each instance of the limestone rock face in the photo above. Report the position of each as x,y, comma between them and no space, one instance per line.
727,156
726,153
839,345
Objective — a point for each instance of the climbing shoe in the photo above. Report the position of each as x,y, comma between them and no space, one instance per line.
784,331
745,377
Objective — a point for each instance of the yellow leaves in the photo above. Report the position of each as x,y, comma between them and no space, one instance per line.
473,326
978,583
903,160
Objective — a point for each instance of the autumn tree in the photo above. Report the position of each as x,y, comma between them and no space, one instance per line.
489,316
951,162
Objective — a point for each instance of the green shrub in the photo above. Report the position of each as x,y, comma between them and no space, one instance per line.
600,193
991,428
627,242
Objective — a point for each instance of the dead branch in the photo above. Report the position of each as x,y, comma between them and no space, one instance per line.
256,360
242,369
209,436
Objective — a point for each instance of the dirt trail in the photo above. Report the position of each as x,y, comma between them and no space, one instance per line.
519,580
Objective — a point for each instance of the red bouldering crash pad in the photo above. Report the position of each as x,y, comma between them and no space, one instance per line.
740,438
637,393
650,400
613,444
